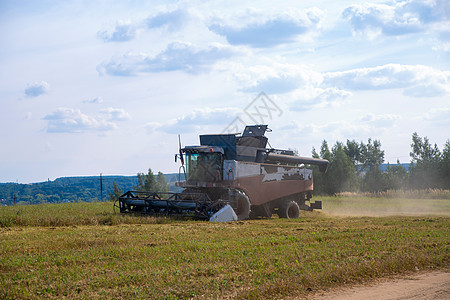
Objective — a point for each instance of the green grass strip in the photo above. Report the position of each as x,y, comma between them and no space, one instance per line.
254,259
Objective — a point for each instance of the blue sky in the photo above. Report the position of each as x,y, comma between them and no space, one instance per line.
89,87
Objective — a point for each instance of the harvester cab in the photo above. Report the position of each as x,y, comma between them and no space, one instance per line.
235,170
203,164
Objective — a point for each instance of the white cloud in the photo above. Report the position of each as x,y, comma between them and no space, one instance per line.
311,98
276,78
442,42
417,81
116,114
439,116
369,125
176,57
442,47
337,130
380,121
197,120
398,18
36,89
299,86
123,31
261,30
312,65
172,20
95,100
305,89
72,120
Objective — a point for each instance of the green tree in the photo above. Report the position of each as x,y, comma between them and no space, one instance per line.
161,183
40,198
446,165
353,151
374,180
371,155
146,182
395,177
318,177
115,193
371,158
422,151
426,170
341,175
325,151
53,199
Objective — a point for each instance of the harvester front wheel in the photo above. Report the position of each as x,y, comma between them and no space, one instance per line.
290,210
243,206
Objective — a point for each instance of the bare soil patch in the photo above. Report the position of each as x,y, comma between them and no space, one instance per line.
424,286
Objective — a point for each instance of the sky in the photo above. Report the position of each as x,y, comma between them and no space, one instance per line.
90,87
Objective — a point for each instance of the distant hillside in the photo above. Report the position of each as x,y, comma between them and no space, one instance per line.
69,189
383,167
83,188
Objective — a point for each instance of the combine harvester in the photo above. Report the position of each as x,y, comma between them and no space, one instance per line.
232,176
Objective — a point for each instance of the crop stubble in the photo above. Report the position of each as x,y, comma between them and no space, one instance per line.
192,259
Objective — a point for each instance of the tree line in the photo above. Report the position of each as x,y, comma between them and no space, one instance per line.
352,167
83,188
146,183
355,167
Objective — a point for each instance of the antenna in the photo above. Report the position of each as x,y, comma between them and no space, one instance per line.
181,153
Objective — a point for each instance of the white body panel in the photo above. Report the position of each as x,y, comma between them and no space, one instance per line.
233,170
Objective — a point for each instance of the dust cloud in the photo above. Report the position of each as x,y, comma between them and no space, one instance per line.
379,207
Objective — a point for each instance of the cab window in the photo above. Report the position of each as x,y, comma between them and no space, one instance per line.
206,167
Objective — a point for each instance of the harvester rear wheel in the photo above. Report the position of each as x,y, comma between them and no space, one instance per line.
243,206
290,210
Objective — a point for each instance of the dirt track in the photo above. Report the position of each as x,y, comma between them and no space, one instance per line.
425,286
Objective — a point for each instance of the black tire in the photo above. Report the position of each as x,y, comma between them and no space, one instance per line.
243,206
290,210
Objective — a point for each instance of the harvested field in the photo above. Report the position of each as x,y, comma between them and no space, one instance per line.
107,255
